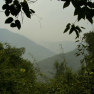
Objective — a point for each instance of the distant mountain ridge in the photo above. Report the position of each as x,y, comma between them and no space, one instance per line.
14,39
55,46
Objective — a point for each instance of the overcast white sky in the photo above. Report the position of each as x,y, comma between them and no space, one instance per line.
53,23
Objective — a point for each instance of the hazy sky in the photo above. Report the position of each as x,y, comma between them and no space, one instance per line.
53,22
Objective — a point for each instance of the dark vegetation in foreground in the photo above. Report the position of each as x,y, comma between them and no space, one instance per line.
19,76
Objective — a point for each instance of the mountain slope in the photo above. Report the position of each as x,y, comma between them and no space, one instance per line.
18,40
46,65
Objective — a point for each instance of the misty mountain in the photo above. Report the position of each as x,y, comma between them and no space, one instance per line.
46,65
55,46
14,39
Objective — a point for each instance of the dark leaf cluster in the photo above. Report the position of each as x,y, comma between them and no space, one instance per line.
14,7
71,28
84,9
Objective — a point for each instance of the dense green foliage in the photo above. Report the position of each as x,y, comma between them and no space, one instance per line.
19,76
89,37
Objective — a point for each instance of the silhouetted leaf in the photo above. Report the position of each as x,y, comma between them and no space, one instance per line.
77,33
73,3
9,20
68,25
8,1
66,4
5,6
90,20
72,29
79,17
81,12
67,28
32,11
17,6
82,53
18,24
18,9
7,12
80,49
15,2
90,4
80,3
78,46
89,15
77,10
12,9
77,55
84,46
27,13
78,28
82,27
25,8
77,41
13,25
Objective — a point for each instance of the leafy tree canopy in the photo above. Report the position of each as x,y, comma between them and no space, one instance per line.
17,75
89,37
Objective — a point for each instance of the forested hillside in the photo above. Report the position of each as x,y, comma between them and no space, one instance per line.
46,65
20,76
